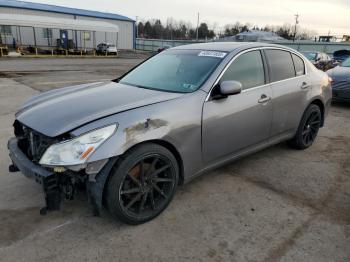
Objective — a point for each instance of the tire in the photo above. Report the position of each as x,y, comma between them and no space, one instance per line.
308,128
142,184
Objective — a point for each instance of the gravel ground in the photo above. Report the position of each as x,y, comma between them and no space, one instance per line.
276,205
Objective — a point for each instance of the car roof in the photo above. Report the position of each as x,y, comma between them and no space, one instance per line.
225,46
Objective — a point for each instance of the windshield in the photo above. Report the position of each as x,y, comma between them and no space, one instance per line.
180,71
346,63
310,55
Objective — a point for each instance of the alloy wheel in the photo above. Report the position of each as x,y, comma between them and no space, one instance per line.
311,127
147,186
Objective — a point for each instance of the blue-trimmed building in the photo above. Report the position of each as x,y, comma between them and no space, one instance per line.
124,36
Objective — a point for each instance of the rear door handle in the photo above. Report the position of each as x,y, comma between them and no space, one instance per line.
304,85
264,99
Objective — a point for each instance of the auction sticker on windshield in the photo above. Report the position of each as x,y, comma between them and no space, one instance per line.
212,54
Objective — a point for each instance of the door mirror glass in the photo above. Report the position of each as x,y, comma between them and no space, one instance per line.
228,88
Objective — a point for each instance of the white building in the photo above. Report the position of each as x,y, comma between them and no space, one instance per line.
51,27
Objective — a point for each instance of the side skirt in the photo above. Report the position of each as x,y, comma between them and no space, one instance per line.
241,154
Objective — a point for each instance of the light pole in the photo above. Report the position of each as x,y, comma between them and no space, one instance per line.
137,28
295,27
197,27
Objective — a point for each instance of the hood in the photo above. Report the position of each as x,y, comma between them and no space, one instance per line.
61,110
340,73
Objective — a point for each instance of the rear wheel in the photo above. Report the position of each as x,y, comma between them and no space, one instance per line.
308,128
142,184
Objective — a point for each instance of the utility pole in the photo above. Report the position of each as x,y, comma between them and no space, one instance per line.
197,26
295,26
137,28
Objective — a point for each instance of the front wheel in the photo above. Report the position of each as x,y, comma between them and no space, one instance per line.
142,185
308,128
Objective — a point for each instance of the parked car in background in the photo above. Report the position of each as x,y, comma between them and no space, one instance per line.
320,60
341,81
107,48
340,55
182,112
165,47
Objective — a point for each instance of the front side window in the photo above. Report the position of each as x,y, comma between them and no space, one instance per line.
248,69
299,65
281,65
181,71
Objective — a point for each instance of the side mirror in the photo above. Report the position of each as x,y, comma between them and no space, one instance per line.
228,88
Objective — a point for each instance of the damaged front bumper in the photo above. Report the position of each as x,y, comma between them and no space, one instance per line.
56,185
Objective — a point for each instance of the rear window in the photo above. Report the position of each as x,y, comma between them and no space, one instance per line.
281,65
342,53
299,65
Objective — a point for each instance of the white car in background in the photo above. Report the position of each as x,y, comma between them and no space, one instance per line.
107,48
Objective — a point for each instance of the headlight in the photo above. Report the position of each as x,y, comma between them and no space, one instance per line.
77,150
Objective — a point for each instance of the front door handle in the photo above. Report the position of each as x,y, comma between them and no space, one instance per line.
304,85
264,99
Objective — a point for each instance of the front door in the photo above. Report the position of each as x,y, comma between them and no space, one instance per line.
240,121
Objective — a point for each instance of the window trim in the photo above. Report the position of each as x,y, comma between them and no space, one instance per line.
268,82
295,53
270,69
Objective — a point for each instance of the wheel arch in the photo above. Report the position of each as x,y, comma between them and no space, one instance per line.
172,149
97,190
168,146
321,105
176,154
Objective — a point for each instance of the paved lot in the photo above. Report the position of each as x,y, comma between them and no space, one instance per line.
47,73
276,205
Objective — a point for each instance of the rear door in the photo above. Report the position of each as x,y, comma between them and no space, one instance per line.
289,88
239,121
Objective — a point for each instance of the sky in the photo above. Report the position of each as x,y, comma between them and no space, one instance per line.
322,16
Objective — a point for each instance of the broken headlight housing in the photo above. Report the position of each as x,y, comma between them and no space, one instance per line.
77,150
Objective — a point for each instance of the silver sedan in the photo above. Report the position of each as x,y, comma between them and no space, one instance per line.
183,112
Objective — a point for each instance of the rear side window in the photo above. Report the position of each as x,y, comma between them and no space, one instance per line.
299,65
248,69
281,65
